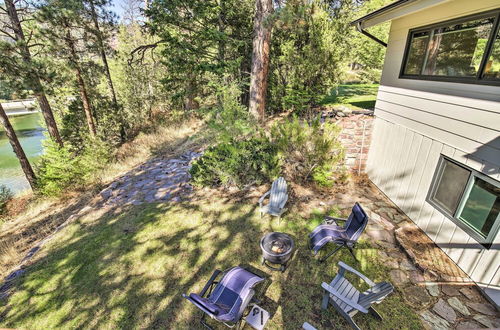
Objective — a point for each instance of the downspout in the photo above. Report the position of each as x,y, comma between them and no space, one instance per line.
371,36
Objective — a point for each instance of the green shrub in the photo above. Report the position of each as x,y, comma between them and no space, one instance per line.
237,163
309,151
62,168
230,118
5,195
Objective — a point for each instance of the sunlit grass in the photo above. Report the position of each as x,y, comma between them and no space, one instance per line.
356,96
128,269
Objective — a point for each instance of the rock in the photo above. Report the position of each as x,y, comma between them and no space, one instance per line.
434,321
486,309
417,297
467,325
484,320
106,193
458,306
407,265
391,263
433,289
162,194
374,217
445,311
471,293
398,277
450,290
416,277
381,235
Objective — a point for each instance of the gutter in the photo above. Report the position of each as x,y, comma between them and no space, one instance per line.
371,36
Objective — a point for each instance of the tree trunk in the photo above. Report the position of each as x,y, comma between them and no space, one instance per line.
87,108
86,103
260,58
34,78
107,72
18,150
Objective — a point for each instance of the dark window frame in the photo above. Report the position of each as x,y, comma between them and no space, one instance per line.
484,241
478,79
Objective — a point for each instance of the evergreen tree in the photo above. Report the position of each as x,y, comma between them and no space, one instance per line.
64,30
260,57
100,19
200,40
17,62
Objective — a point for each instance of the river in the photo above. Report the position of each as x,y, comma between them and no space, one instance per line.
30,134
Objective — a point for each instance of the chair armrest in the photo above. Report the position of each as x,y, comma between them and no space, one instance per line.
261,200
282,205
329,220
210,282
351,303
354,271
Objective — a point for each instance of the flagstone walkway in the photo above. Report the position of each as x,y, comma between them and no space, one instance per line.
443,295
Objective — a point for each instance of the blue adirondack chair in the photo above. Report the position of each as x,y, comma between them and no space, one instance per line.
278,197
348,300
346,236
230,297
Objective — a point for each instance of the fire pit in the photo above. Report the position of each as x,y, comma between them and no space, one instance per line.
277,248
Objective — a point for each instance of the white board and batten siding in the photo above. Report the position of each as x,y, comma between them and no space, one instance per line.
416,122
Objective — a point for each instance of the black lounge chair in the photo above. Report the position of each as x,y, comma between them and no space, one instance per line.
348,301
229,298
346,236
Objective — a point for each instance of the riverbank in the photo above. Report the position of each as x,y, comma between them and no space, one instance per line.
31,134
30,220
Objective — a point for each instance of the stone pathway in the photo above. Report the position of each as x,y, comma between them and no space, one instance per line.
441,293
160,179
157,180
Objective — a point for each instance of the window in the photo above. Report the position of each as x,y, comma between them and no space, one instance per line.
467,197
492,67
463,50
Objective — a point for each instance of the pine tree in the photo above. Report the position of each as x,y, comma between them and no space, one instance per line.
21,66
260,58
65,32
98,13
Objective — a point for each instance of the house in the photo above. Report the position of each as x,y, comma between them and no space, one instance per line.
435,148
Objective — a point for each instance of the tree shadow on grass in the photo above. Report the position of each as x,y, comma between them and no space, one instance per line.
129,267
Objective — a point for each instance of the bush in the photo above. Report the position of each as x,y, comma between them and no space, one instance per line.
5,195
237,163
62,168
308,151
230,118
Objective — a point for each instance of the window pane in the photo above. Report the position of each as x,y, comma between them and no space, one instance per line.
457,50
492,69
450,186
416,53
481,209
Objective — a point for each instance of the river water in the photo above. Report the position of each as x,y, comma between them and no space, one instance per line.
30,134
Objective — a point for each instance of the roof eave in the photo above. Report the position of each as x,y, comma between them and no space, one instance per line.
380,11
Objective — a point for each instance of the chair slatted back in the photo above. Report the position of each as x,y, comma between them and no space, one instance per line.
278,193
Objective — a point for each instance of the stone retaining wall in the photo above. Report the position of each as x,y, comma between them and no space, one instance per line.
355,135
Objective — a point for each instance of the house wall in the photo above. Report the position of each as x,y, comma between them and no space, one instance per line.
417,121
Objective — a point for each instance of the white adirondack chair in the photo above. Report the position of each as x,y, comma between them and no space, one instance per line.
278,197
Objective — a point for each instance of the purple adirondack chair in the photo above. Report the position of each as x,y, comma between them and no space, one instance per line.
229,298
346,236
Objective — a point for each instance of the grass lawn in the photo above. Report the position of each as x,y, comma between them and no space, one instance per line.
127,268
357,96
